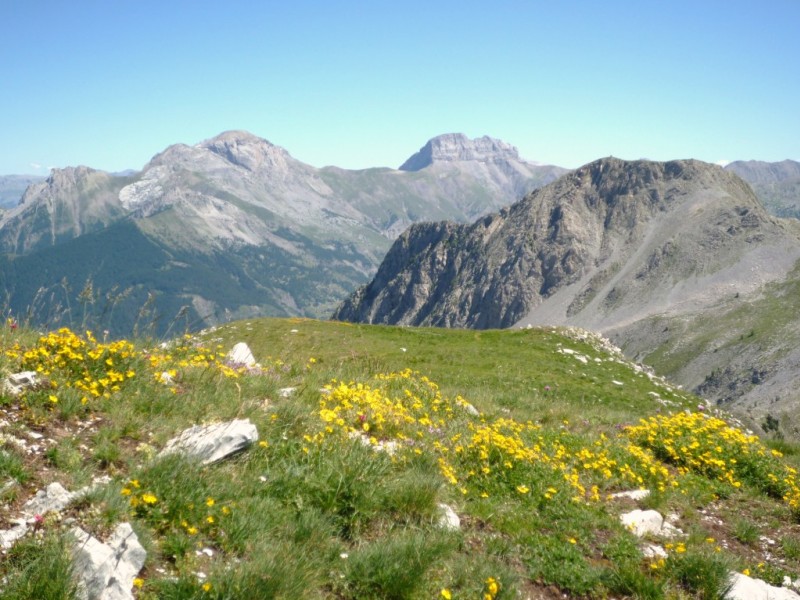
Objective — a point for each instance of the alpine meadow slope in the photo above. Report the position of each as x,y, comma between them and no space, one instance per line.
677,262
232,227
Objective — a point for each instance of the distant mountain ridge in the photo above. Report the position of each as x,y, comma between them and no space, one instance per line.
641,251
777,184
245,228
13,186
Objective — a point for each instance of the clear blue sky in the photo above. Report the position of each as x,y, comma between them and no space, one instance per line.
357,84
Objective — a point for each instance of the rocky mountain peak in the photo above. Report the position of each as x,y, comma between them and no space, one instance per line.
244,149
458,147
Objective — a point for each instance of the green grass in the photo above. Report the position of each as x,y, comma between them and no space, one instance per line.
310,513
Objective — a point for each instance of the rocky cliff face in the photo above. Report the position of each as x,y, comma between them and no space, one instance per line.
634,250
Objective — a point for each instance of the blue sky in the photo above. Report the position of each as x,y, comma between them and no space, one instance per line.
361,84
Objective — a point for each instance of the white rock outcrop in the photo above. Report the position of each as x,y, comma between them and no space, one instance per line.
212,443
106,571
448,519
241,355
747,588
53,498
16,383
648,522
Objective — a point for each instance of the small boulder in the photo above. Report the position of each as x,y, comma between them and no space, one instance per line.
643,522
212,443
241,356
448,519
106,571
53,498
9,536
16,383
747,588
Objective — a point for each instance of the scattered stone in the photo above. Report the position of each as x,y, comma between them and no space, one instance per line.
212,443
644,522
53,498
615,382
286,392
747,588
240,355
632,494
107,571
654,551
448,518
471,410
9,536
16,383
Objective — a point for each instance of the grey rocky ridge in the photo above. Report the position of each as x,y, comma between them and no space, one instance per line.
234,226
677,262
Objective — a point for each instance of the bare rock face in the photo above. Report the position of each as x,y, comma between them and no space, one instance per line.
458,147
106,571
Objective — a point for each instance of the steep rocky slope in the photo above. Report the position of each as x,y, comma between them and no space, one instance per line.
235,226
647,253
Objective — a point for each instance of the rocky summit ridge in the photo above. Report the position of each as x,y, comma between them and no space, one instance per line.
641,251
458,147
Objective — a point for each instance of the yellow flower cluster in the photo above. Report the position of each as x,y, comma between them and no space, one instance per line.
80,362
406,412
138,500
707,445
97,369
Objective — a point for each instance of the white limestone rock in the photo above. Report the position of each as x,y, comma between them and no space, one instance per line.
106,571
16,383
747,588
212,443
9,536
241,355
448,518
53,498
648,522
632,494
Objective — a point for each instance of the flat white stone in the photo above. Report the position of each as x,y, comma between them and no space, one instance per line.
107,571
9,536
286,392
632,494
654,551
53,498
212,443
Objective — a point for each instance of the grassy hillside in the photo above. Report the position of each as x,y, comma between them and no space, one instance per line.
340,496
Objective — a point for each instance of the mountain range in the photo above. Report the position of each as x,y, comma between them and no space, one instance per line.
232,227
678,262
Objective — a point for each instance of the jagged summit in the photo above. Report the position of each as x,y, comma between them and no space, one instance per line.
457,147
